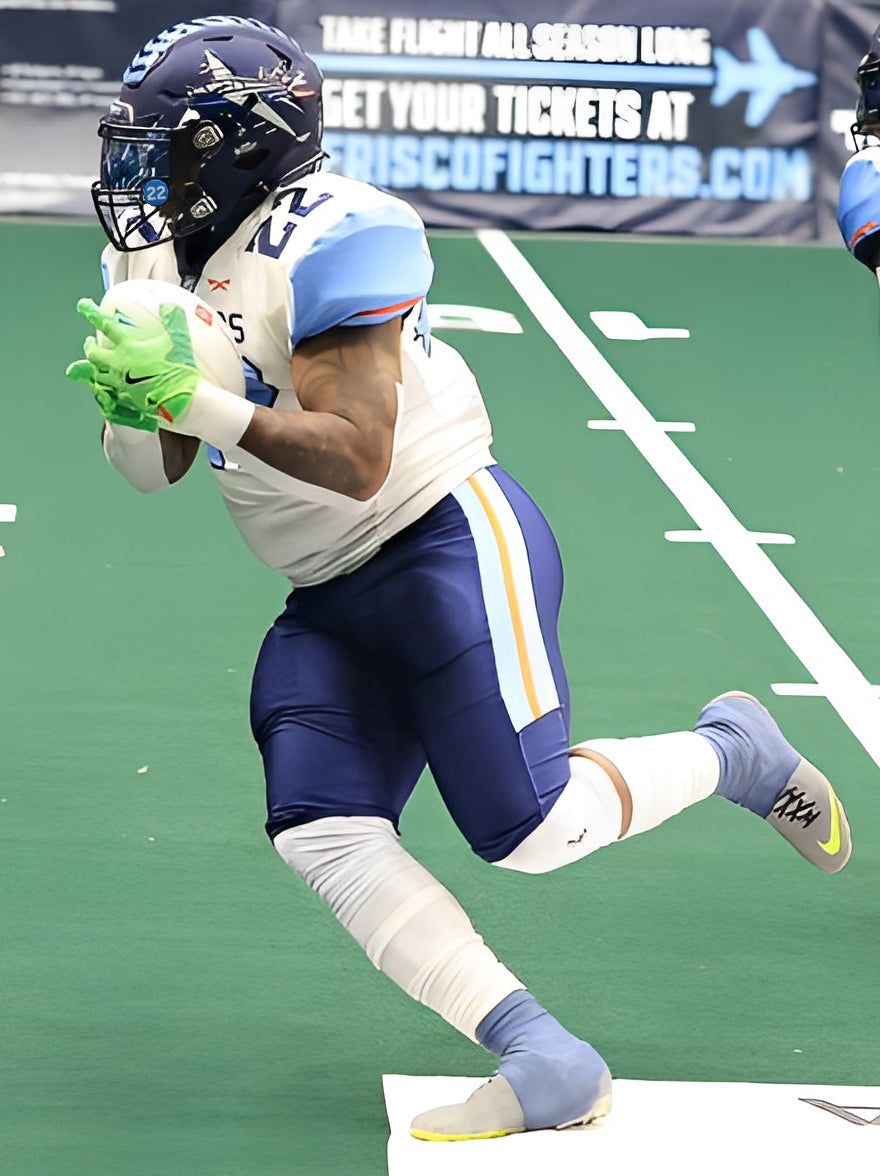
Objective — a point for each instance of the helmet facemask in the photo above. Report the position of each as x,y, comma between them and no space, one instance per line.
867,124
131,158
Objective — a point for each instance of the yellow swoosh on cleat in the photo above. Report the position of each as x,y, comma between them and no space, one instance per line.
832,845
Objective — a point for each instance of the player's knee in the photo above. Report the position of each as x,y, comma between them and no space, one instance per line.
526,858
314,849
585,816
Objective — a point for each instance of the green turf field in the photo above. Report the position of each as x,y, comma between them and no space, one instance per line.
175,1003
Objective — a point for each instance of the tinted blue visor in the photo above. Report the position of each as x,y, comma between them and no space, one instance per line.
131,156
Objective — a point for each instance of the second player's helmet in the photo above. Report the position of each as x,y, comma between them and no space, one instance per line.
868,79
212,115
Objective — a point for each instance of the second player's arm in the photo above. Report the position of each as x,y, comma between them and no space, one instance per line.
346,381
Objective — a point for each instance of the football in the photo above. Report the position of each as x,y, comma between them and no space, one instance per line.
216,358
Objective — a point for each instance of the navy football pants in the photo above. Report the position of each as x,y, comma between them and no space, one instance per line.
441,649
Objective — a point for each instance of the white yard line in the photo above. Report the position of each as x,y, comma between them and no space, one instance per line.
804,689
666,426
847,689
702,537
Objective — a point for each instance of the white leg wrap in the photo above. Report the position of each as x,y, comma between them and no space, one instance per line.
664,773
410,926
585,817
656,777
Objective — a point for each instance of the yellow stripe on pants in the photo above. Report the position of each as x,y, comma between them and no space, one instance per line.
512,602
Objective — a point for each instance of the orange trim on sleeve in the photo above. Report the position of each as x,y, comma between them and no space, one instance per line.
860,233
387,309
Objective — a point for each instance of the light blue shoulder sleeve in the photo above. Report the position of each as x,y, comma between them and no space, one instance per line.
858,206
371,266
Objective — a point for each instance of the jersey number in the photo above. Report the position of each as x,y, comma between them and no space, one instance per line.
262,241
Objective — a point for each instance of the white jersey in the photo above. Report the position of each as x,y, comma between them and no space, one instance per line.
324,252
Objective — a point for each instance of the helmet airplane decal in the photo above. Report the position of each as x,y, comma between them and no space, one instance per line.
277,83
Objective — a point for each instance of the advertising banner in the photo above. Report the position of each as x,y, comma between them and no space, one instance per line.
671,117
703,120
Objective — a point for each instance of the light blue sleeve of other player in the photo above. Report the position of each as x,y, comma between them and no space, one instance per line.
370,267
858,206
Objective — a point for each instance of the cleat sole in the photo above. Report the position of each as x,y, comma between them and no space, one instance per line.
435,1137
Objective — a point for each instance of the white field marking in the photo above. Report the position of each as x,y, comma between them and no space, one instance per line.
805,690
8,511
847,689
666,426
687,1123
447,316
626,324
2,552
702,537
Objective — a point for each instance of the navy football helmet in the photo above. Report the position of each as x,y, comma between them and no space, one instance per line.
212,115
868,79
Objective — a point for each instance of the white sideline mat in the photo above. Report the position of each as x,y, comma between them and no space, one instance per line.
677,1128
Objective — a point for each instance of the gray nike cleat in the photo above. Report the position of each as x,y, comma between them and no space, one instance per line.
761,771
493,1110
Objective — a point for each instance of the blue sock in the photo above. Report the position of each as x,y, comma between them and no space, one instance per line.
755,758
556,1076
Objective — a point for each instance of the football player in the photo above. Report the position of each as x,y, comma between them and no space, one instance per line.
426,583
858,209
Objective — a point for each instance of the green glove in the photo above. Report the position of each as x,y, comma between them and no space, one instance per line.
150,369
117,411
146,377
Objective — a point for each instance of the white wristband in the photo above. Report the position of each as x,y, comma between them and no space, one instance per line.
214,415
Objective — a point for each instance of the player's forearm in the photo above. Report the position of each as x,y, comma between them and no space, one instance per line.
149,461
321,448
137,455
346,380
